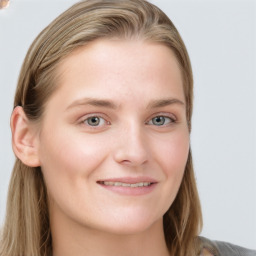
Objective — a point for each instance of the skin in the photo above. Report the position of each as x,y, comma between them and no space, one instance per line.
137,81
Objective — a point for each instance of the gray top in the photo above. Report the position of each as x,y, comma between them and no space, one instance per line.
217,248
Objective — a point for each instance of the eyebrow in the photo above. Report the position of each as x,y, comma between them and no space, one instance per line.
93,102
109,104
165,102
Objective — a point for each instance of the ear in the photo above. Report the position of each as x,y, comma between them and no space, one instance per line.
24,138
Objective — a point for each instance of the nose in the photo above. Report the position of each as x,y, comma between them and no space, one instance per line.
131,147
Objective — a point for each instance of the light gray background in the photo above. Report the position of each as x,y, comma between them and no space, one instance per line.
220,37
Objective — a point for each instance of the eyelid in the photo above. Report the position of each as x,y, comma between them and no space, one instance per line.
82,120
163,114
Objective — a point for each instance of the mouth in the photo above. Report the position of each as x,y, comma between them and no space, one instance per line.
129,186
123,184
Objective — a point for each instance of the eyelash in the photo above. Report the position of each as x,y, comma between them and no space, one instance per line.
165,117
85,120
96,116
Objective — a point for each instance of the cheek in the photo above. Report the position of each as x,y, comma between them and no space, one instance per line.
68,165
66,158
173,152
172,157
178,152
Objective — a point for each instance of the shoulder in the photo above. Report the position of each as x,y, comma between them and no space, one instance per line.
227,249
218,248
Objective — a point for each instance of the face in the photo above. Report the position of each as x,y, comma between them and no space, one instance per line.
114,139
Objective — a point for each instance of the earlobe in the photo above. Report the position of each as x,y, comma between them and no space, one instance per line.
24,138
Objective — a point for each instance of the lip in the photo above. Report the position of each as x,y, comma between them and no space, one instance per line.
130,179
129,191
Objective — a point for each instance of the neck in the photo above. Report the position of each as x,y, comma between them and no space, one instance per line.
70,238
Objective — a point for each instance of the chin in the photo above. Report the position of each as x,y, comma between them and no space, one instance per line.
130,224
127,229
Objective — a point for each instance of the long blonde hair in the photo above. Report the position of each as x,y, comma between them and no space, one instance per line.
26,231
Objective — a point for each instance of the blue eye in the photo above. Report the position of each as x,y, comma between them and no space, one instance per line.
160,120
95,121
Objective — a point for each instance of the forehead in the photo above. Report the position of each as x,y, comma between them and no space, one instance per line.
133,50
127,67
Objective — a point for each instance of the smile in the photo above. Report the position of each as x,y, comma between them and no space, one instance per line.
122,184
129,186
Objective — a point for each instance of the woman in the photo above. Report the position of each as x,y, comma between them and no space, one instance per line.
101,124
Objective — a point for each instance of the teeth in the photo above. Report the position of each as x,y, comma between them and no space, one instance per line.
121,184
